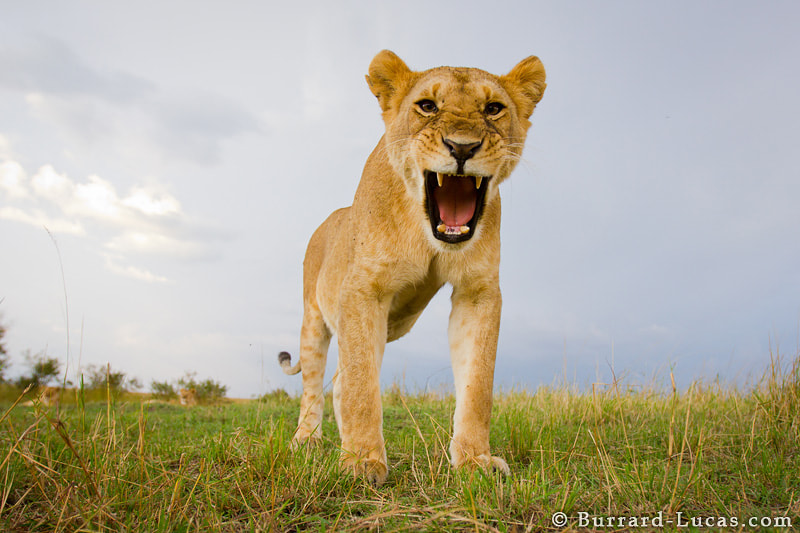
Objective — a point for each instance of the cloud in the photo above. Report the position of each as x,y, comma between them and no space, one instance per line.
147,220
99,105
12,176
5,148
193,126
38,218
151,243
149,202
133,272
50,66
95,198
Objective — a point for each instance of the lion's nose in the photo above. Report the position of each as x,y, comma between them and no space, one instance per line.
462,151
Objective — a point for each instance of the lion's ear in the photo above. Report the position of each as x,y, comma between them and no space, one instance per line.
387,75
525,83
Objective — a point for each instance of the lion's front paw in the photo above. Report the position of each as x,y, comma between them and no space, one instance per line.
484,461
305,438
498,464
373,467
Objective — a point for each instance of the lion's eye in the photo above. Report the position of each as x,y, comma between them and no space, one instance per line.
493,108
427,106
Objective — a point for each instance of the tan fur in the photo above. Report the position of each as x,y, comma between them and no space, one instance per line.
50,395
370,269
188,397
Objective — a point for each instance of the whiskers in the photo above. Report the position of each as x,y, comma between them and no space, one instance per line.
507,150
512,155
398,141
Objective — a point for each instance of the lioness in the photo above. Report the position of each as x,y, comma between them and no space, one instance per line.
49,395
188,397
426,213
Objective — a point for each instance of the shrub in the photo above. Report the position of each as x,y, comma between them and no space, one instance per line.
3,355
208,391
162,390
43,370
102,377
277,395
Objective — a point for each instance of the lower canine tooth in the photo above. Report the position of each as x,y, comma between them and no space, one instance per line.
478,180
441,228
439,179
464,229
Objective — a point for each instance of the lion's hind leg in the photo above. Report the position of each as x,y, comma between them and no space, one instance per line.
315,337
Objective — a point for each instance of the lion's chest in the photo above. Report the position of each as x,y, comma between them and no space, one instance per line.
408,303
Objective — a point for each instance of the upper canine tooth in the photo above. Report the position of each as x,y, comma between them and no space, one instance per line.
478,180
439,178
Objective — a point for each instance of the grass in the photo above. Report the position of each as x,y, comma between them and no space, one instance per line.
710,452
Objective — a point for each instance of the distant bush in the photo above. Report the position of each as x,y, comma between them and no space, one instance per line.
3,356
211,391
42,370
3,364
278,396
208,390
8,392
163,390
102,377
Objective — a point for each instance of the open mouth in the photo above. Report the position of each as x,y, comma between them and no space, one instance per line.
454,204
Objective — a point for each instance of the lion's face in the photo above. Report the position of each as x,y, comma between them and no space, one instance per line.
188,397
454,134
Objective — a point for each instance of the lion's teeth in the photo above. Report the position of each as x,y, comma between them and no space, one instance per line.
478,180
452,230
439,178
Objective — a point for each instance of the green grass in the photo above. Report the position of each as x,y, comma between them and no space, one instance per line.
710,451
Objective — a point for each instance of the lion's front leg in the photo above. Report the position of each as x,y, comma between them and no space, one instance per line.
473,330
362,338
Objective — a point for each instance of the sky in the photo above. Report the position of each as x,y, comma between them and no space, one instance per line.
162,166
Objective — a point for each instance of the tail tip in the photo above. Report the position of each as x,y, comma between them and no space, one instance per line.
284,358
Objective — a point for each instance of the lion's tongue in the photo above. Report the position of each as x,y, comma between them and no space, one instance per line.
456,199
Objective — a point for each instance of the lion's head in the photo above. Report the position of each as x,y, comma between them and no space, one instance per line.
188,397
454,134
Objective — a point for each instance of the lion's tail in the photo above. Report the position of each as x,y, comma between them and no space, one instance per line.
285,359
